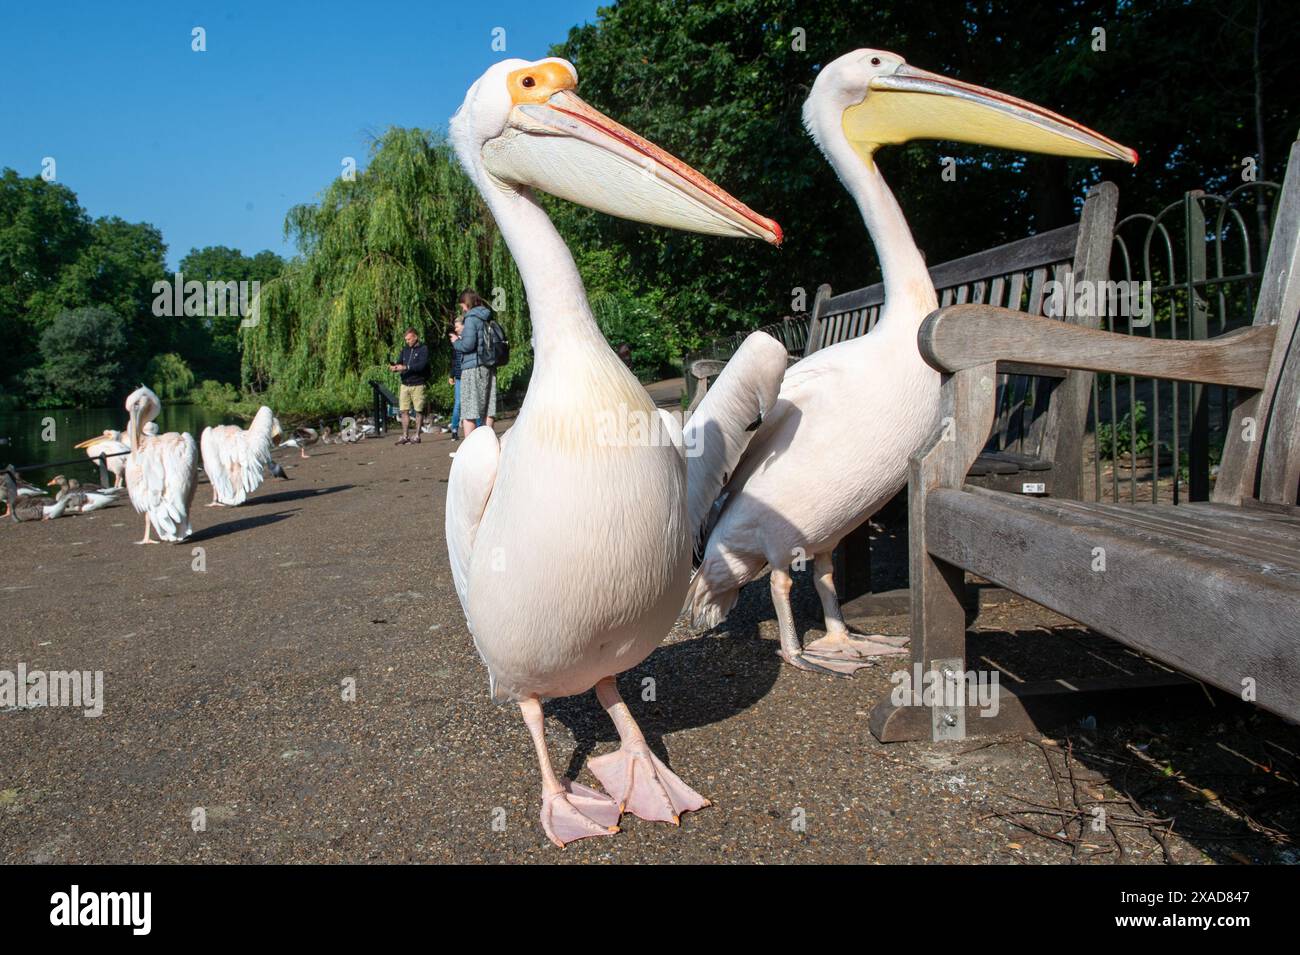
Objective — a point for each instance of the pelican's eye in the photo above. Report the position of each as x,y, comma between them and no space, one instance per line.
528,82
875,61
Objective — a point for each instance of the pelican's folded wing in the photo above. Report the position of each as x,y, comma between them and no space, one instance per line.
473,473
716,435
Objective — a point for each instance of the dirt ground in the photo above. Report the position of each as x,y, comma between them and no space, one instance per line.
225,704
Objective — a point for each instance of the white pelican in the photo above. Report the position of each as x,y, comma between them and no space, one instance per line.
162,471
836,447
234,459
110,442
568,537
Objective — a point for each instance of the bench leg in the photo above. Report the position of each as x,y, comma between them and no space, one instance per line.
938,641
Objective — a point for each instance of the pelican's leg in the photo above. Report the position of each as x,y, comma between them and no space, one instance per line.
569,811
634,775
791,650
146,539
841,642
215,502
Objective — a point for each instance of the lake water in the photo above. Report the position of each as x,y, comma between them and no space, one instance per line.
26,432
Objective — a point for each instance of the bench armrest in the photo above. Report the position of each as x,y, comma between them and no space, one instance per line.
960,337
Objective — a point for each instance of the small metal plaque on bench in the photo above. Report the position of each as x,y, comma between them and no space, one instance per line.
1032,487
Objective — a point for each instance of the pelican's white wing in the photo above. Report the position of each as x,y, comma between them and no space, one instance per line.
473,474
162,481
717,433
235,460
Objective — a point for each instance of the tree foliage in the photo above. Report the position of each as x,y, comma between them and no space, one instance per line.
81,352
387,249
722,85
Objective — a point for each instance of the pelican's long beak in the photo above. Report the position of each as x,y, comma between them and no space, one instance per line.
916,104
565,147
89,441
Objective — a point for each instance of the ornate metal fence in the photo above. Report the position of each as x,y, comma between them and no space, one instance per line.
1199,260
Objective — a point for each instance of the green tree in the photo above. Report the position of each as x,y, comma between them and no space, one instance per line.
211,342
385,250
117,270
1194,85
169,376
81,351
42,231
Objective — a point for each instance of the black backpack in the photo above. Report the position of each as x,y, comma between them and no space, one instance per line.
493,346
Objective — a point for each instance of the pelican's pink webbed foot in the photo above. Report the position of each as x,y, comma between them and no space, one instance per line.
570,811
847,644
576,812
644,786
635,776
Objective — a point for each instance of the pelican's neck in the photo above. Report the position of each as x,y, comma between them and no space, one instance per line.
909,293
557,301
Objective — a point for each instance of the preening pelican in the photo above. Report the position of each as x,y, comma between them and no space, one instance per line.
568,538
234,459
837,444
110,442
162,471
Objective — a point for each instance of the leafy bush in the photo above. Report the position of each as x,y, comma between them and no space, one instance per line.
1130,431
169,376
218,396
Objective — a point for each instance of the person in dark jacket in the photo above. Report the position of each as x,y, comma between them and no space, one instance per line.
413,367
478,379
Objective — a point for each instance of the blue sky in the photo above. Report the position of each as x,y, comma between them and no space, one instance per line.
214,147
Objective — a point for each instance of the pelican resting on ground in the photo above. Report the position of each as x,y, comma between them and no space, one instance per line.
234,459
836,446
110,442
568,537
29,507
83,497
162,471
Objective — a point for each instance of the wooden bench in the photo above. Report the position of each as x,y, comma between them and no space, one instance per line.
1210,589
1035,445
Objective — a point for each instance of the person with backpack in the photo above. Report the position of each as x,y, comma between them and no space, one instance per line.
482,346
453,378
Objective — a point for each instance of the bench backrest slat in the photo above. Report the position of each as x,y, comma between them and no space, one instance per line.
1261,453
1030,419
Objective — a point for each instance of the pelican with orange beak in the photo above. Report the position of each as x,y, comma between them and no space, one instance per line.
767,515
568,538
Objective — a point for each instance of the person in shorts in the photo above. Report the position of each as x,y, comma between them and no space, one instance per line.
413,367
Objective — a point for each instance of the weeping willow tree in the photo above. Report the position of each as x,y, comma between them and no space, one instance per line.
386,249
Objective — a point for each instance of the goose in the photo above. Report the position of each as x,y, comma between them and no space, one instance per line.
21,488
29,507
849,417
162,471
234,459
567,537
83,497
302,438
